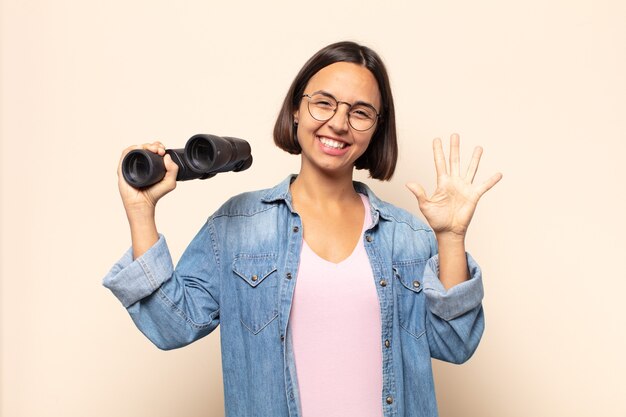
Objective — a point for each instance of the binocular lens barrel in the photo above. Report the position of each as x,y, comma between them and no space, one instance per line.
213,154
203,157
201,154
142,168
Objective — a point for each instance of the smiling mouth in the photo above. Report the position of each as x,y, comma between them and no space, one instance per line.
330,143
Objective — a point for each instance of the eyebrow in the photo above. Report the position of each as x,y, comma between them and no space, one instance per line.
327,94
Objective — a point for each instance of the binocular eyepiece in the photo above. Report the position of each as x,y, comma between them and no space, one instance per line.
202,157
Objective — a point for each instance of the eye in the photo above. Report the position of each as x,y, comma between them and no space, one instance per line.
362,113
323,103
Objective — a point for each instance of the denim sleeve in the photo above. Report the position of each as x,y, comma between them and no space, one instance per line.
171,306
455,319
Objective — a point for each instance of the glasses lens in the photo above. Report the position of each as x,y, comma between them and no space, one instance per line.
362,117
322,107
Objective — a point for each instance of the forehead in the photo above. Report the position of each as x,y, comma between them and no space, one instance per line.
347,82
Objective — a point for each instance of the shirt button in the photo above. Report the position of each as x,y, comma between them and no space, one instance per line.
288,275
295,229
254,277
383,283
369,238
387,343
389,399
416,284
282,338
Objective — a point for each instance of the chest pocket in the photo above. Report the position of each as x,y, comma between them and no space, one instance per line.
257,290
410,297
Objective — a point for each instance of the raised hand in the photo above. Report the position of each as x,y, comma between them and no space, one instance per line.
451,207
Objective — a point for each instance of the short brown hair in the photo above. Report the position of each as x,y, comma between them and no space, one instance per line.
382,153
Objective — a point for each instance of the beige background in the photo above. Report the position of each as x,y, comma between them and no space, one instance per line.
540,84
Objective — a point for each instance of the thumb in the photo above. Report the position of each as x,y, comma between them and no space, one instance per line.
418,191
171,168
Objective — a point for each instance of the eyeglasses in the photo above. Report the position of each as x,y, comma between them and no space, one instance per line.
323,106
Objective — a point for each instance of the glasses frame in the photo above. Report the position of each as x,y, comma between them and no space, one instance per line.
350,106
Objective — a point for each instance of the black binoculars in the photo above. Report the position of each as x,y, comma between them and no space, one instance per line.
202,157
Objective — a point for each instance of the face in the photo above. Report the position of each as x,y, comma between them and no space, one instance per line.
333,146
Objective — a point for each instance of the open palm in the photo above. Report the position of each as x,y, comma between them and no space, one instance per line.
452,205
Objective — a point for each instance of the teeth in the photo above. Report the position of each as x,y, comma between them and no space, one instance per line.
332,143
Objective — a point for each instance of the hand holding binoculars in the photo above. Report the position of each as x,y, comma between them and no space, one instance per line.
202,157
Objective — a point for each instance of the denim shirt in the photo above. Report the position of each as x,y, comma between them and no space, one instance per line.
240,272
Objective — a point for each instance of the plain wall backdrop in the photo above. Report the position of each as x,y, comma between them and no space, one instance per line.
541,85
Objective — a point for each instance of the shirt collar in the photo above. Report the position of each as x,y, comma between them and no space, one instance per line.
281,193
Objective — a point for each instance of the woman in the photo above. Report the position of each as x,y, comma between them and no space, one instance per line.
373,300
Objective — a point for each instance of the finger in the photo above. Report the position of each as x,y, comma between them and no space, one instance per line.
168,183
454,155
418,191
171,167
473,166
156,147
160,148
486,186
440,160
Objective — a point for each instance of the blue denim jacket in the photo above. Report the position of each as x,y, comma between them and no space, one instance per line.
240,272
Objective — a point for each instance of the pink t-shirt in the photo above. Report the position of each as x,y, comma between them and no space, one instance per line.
336,334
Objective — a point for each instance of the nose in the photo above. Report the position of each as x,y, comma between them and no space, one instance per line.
339,121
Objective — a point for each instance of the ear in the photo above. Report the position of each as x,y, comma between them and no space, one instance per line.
296,117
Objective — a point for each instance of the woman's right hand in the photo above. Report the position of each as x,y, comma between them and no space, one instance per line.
144,200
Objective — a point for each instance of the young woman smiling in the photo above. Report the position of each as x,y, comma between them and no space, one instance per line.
331,302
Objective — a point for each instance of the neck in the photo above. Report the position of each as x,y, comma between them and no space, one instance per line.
322,188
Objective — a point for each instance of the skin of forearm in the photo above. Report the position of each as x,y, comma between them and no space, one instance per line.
452,260
143,230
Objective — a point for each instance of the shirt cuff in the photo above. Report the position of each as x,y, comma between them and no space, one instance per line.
458,300
130,281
